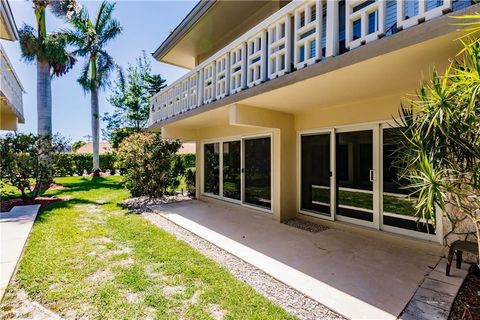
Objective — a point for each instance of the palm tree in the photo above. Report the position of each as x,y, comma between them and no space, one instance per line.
90,39
52,59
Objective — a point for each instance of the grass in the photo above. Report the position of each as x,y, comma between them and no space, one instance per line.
90,257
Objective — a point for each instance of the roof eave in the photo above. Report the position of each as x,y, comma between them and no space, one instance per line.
181,30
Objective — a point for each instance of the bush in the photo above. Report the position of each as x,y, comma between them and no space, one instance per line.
21,161
190,180
152,165
108,162
65,166
188,160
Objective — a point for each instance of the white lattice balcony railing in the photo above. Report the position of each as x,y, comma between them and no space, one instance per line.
298,35
10,87
412,12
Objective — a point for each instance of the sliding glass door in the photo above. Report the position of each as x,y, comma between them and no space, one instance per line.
257,172
211,169
231,170
355,175
397,202
224,176
316,174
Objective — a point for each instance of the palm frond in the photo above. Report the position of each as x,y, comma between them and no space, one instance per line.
84,79
104,16
29,43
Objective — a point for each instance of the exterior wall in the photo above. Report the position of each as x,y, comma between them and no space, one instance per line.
355,112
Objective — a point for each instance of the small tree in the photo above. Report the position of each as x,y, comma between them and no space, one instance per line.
131,100
441,148
20,160
151,164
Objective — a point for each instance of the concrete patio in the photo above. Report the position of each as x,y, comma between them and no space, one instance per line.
356,272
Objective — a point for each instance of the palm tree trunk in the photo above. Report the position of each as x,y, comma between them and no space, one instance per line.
44,123
95,131
44,99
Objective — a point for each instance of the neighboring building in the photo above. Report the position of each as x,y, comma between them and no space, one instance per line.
11,90
104,147
291,103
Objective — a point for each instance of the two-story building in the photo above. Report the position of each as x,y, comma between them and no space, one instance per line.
11,90
291,103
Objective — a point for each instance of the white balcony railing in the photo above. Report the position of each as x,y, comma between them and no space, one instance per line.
298,35
10,87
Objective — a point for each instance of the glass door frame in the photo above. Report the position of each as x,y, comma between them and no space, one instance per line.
377,146
246,204
220,180
375,128
241,139
438,236
333,179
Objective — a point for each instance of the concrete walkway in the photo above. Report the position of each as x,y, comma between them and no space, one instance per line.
357,273
15,227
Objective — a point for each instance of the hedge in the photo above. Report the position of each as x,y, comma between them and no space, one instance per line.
71,163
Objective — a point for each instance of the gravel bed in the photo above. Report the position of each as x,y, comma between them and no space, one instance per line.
305,225
286,297
140,204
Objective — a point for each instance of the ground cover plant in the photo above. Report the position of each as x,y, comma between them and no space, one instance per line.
90,257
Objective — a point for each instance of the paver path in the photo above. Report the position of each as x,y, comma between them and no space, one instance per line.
15,227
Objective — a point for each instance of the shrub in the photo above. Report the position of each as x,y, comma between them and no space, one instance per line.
190,180
21,161
188,160
83,163
152,165
108,162
65,166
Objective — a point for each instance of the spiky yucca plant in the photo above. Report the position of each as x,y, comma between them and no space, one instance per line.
440,154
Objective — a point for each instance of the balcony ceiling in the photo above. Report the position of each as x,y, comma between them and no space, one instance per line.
224,21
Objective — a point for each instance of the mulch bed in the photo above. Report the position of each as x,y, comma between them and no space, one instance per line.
7,205
467,303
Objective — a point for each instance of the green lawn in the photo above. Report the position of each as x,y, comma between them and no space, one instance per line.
90,257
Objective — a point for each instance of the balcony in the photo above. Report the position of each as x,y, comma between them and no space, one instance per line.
10,94
300,34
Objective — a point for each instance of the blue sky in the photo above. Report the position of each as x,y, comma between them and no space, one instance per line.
145,25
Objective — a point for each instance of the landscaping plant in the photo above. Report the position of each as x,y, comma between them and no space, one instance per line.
131,100
440,152
20,162
152,165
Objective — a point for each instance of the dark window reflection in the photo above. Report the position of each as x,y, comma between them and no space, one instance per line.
231,170
211,168
398,205
315,175
257,172
354,161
